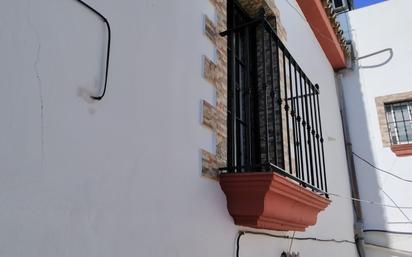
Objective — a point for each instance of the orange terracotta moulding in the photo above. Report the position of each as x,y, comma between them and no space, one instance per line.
402,150
319,22
267,200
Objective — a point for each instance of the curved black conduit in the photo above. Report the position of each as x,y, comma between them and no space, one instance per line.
109,38
242,233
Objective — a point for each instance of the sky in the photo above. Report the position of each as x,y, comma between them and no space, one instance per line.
362,3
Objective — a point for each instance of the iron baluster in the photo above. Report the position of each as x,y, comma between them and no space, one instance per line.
273,97
317,136
286,112
321,141
308,128
264,79
292,114
298,127
304,123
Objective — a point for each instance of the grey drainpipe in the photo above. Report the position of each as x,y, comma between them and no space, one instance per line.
358,226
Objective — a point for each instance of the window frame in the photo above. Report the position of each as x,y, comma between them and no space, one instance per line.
400,149
397,140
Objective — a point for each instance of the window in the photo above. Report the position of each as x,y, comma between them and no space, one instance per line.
274,131
340,5
273,114
395,122
399,119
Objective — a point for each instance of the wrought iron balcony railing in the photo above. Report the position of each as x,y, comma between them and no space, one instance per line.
274,117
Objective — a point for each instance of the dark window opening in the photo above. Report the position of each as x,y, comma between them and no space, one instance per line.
338,3
242,132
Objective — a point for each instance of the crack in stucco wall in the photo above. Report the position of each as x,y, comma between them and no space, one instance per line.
40,88
39,81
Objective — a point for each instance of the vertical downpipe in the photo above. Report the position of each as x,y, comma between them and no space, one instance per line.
358,226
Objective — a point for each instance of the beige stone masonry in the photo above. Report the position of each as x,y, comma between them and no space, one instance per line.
215,117
252,7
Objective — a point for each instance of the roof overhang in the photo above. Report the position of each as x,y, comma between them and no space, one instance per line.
321,25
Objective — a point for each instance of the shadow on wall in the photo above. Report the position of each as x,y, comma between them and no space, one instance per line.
357,116
379,64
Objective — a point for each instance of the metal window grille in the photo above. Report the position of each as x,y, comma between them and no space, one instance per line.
399,119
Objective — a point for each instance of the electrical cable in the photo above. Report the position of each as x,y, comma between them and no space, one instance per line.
387,231
399,252
359,200
369,163
241,233
363,201
322,192
393,201
382,170
370,202
390,198
337,195
109,38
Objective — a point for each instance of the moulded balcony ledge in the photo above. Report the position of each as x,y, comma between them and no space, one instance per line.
402,150
270,201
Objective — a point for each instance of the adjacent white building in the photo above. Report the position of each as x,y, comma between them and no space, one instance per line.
136,173
377,93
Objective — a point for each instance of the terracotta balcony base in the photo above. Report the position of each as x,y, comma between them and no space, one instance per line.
270,201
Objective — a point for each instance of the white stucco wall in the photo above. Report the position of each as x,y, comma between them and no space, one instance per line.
121,177
374,28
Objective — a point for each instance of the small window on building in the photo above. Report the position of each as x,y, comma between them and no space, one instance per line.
341,5
338,3
399,118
